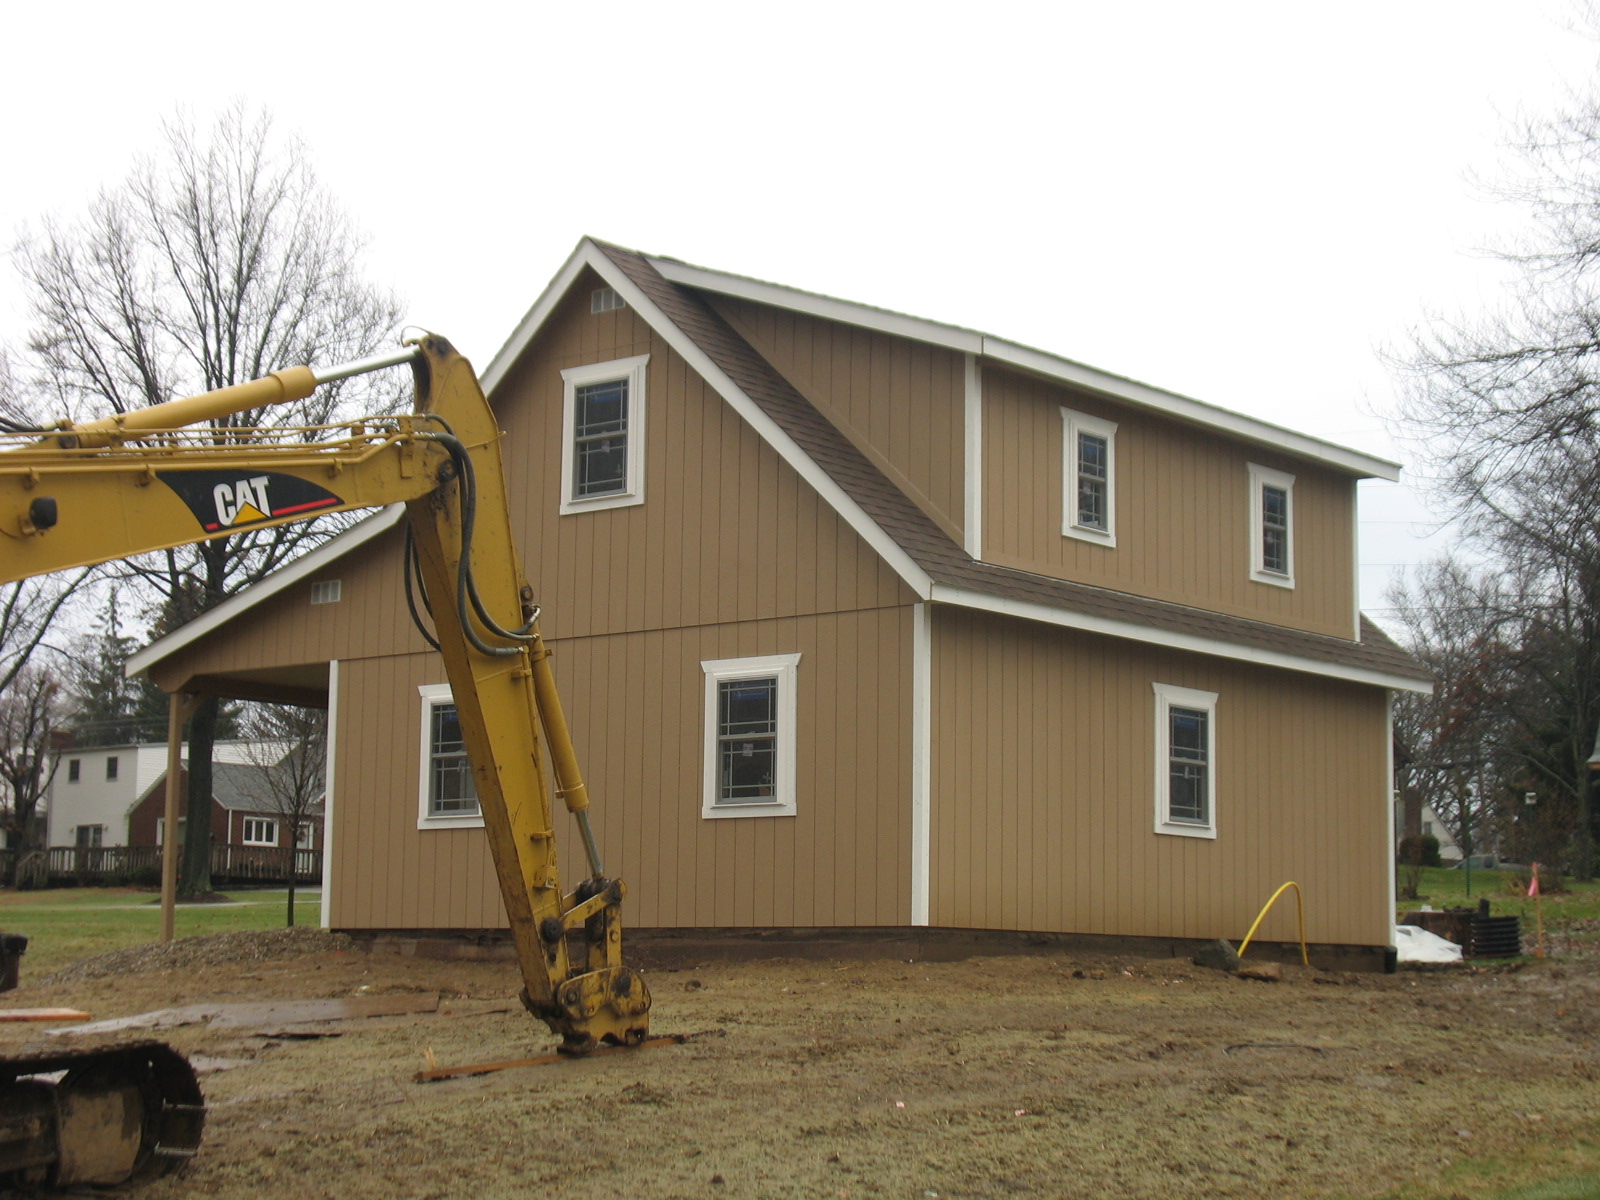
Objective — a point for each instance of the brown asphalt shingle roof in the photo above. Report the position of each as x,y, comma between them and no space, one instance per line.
931,548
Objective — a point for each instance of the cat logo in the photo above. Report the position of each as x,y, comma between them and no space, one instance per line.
223,501
241,503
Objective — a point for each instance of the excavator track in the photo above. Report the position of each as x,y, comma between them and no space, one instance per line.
101,1115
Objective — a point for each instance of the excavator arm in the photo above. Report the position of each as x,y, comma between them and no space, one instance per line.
88,493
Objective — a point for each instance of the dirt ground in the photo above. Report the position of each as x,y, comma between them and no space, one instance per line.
1041,1076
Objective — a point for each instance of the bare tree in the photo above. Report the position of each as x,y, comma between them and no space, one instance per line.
29,711
216,264
1504,410
290,745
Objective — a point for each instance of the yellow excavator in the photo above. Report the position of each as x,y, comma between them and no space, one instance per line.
88,493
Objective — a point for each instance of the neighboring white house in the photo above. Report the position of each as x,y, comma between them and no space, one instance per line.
96,787
1448,850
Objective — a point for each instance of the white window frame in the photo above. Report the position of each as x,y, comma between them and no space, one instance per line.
306,839
161,830
1167,698
1073,424
633,371
1263,477
244,831
784,668
433,695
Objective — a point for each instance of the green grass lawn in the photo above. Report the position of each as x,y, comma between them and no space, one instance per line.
63,925
1573,913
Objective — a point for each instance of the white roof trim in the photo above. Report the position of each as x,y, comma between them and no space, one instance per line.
357,535
1026,358
536,316
1173,639
769,430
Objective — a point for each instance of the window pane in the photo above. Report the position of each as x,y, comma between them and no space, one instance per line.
1093,458
1187,764
1275,529
747,725
600,441
451,790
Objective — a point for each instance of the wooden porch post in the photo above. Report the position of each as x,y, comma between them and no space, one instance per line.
180,706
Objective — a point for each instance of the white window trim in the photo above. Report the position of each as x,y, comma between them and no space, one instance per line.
633,370
247,840
784,668
1072,424
1261,477
1168,697
433,695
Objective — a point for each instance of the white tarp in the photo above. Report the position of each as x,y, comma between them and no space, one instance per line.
1417,945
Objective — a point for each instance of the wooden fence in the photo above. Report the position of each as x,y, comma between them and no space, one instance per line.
103,866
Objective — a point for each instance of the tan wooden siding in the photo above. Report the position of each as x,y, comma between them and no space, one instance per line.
1182,510
728,530
636,703
902,402
1044,778
370,618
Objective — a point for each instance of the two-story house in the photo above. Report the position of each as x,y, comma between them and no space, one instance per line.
864,621
95,788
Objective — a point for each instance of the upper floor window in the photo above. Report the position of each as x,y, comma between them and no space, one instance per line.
750,737
1185,761
1088,500
447,795
605,300
111,766
602,445
1271,526
74,767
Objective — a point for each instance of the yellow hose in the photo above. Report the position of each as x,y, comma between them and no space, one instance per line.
1300,907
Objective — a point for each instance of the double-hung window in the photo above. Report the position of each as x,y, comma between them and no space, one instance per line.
602,446
1271,526
1088,499
447,795
750,737
1185,763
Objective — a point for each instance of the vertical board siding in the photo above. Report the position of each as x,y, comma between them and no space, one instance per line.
728,531
636,703
1044,783
1182,510
902,402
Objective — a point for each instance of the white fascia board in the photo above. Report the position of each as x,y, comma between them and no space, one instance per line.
357,535
1173,639
1038,362
769,430
1197,411
534,319
919,328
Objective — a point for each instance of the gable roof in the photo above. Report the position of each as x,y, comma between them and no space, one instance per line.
238,787
931,564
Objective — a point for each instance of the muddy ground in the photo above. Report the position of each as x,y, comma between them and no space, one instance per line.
1046,1076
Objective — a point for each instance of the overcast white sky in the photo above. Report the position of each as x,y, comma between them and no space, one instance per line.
1237,201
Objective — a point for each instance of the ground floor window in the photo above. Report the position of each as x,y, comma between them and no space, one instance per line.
447,795
89,836
750,736
260,832
306,839
1185,761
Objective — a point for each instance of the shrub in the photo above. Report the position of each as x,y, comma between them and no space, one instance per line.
1421,850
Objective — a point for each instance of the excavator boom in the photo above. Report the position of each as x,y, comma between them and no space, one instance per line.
82,494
